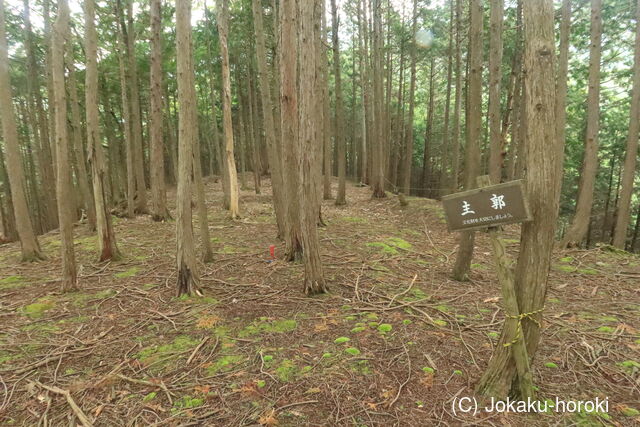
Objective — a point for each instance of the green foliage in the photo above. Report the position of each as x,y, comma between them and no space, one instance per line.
37,309
342,340
127,273
352,351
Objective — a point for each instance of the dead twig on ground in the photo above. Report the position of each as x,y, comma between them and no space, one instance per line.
74,406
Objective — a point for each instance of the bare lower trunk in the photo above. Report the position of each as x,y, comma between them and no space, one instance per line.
185,254
15,171
578,230
158,192
339,110
474,129
106,237
230,164
624,204
63,181
500,378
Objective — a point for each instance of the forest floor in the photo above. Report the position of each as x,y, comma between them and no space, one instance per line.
255,350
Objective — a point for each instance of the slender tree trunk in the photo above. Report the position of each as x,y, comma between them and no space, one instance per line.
158,191
185,255
428,133
455,154
495,77
203,221
624,205
42,126
126,111
290,126
326,114
256,165
408,154
106,236
578,229
63,181
532,270
230,164
307,139
28,241
377,184
82,176
474,132
46,6
136,120
339,110
446,134
273,154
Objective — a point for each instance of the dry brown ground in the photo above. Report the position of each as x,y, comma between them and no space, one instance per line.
255,350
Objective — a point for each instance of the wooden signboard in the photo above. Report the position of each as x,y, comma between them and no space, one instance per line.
486,207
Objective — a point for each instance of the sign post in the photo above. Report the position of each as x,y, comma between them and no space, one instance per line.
488,207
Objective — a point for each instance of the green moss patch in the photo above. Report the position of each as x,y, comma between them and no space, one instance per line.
179,345
127,273
37,309
12,282
225,363
265,326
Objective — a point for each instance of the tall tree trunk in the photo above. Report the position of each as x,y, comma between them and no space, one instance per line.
126,110
326,117
28,241
339,110
106,236
203,221
474,132
408,154
307,138
624,204
290,126
63,181
159,211
273,154
82,175
455,154
230,164
428,133
136,120
532,270
46,6
187,131
378,161
44,141
256,164
446,134
580,223
495,77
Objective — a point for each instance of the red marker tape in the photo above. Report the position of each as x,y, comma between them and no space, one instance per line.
272,251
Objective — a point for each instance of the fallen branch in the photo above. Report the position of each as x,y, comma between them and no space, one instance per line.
198,347
76,409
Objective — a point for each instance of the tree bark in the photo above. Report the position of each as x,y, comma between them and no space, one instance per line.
624,204
495,77
156,125
446,134
106,237
42,126
63,181
339,110
474,132
230,164
136,120
580,223
82,175
307,139
536,245
428,133
377,163
28,241
185,254
455,142
273,154
408,154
